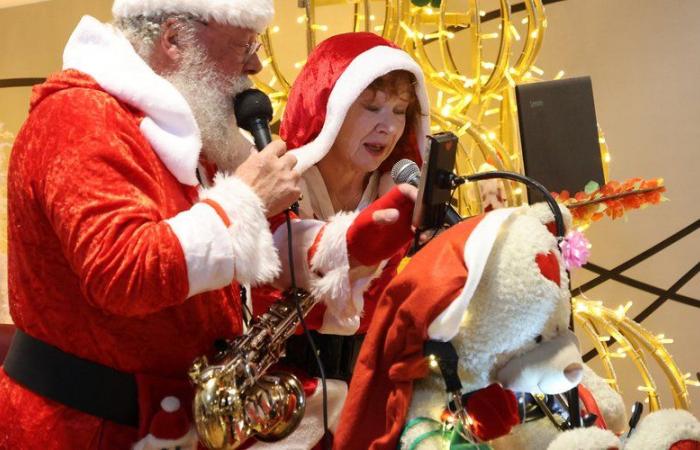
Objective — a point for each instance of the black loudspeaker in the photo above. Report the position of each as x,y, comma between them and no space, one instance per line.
559,135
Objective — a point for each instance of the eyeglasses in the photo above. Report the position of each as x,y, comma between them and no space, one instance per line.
250,49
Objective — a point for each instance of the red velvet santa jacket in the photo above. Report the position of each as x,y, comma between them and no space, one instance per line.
95,269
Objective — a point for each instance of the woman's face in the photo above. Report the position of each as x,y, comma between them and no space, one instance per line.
373,125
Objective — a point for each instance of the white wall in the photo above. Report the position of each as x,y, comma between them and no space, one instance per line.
644,59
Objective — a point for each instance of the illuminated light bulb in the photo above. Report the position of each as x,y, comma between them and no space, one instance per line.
379,28
537,70
663,339
491,112
518,191
372,18
544,23
450,35
604,338
513,157
484,79
534,34
607,158
428,11
266,62
407,29
301,19
299,65
492,135
489,35
275,29
601,140
435,128
273,81
319,27
559,75
433,361
446,110
514,32
438,101
469,82
482,13
420,35
464,128
525,21
452,100
651,390
498,97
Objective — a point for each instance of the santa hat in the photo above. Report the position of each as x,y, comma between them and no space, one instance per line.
170,427
251,14
335,75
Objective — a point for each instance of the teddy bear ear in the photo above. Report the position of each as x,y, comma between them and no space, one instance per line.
543,213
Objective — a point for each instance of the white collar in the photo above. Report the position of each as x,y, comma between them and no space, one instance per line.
101,51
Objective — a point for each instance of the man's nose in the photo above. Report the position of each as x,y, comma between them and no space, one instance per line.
253,65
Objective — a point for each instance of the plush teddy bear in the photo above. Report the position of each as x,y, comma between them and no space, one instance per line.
489,300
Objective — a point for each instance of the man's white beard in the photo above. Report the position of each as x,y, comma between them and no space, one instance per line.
210,96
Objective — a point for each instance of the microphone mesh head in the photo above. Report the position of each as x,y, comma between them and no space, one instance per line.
251,104
404,170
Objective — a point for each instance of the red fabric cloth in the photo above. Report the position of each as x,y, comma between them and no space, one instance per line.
392,354
370,243
685,445
494,412
94,269
590,406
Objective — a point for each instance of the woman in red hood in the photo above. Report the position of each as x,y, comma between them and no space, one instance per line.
358,106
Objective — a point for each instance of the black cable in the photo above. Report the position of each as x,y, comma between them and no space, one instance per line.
326,433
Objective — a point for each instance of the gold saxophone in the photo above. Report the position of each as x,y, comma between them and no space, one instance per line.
235,398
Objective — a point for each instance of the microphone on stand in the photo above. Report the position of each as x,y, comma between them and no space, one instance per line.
253,112
407,171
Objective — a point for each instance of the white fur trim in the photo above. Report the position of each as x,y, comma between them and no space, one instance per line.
660,429
252,14
586,439
360,73
476,252
207,248
332,264
542,369
255,258
310,431
187,441
170,404
106,55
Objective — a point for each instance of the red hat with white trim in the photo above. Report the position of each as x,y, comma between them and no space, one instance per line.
335,75
170,427
251,14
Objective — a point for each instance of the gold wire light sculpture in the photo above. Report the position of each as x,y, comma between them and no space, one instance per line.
473,53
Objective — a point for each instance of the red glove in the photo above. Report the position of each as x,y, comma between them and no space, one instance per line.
369,242
494,412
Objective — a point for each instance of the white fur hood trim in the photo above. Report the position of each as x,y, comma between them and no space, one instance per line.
252,14
476,252
585,439
104,53
660,429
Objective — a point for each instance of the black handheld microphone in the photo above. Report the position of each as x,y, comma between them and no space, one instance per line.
253,113
406,171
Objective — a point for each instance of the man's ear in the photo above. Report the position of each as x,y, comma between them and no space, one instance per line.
169,41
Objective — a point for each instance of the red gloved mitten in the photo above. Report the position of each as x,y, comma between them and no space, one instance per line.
493,410
369,242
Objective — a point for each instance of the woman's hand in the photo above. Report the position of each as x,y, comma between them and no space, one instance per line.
391,215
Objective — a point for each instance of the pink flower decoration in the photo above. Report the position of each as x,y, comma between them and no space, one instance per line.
575,250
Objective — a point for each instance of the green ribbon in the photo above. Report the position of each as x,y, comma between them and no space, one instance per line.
453,437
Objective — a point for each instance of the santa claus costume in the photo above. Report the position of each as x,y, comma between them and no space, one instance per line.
335,75
121,272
